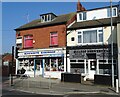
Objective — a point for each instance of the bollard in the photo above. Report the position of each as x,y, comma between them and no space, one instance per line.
117,87
10,80
49,81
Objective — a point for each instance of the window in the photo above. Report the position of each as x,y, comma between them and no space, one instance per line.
82,16
94,35
114,12
53,38
28,41
79,37
100,35
90,36
19,42
72,39
19,45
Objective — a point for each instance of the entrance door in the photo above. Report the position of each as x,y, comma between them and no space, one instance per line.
91,68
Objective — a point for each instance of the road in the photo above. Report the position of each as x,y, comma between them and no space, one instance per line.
14,93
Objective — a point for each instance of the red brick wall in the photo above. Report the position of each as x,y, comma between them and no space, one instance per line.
42,36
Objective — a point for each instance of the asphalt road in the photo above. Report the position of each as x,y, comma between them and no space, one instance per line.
14,93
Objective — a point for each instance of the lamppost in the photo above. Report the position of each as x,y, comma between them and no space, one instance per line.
112,44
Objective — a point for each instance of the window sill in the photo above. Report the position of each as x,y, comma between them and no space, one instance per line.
27,47
53,46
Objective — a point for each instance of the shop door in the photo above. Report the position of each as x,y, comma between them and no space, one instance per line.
38,63
91,68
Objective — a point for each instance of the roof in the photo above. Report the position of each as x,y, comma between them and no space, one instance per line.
61,19
7,57
94,23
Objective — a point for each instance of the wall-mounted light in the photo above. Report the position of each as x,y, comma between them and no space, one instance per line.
33,41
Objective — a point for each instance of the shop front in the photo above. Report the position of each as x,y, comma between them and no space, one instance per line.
91,60
46,63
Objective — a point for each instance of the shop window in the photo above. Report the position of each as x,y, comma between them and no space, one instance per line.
27,64
47,64
54,65
28,41
53,39
60,64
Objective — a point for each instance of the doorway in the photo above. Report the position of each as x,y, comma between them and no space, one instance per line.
92,68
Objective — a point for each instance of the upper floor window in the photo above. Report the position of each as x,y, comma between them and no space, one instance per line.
28,41
79,37
82,16
47,17
53,38
19,42
114,12
90,36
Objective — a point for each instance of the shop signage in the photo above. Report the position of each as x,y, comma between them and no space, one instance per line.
31,53
47,52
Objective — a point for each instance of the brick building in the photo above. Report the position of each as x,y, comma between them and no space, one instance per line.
42,44
6,65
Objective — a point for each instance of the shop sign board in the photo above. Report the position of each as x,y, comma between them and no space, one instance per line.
47,52
31,53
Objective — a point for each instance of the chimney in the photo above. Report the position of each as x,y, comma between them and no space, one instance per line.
80,7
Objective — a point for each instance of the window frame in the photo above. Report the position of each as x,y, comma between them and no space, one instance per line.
19,37
28,39
108,12
51,38
82,30
82,16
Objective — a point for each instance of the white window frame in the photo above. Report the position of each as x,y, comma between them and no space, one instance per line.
19,37
100,28
81,13
112,12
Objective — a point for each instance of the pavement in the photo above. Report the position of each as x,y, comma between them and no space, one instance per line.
40,85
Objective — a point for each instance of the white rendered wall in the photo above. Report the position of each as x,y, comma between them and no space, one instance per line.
106,35
95,14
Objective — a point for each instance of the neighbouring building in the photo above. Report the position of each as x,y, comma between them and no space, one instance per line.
89,42
42,45
7,65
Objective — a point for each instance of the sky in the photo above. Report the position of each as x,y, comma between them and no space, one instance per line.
14,14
